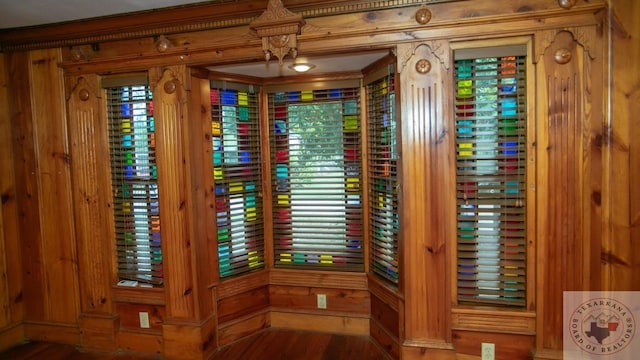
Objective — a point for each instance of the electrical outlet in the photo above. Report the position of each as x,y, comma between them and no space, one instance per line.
144,319
488,351
322,301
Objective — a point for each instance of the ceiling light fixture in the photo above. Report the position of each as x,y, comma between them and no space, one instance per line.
301,67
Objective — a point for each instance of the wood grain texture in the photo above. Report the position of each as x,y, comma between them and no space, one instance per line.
621,270
170,112
586,164
201,196
569,177
11,305
243,304
266,345
507,346
50,179
427,219
342,324
91,194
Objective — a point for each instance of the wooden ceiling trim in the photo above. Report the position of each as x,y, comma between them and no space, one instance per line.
182,19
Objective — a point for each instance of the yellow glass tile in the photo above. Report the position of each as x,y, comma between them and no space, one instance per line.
283,199
466,146
254,260
465,88
466,153
215,128
284,257
326,259
217,174
353,183
307,95
126,126
251,214
126,207
235,187
243,99
351,123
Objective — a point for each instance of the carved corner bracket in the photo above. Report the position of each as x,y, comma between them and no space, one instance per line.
437,49
278,28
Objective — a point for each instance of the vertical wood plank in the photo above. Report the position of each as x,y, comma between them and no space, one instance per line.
53,181
92,208
10,264
569,175
202,195
91,185
26,187
621,270
426,195
169,107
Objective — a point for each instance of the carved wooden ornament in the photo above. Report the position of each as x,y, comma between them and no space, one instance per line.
423,15
423,66
278,28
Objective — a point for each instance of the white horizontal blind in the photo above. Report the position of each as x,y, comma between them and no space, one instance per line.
316,177
135,183
383,177
491,168
235,130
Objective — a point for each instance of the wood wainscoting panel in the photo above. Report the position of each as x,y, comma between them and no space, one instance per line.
99,332
243,304
52,332
190,340
507,346
338,324
305,299
385,316
388,342
11,336
140,343
243,327
130,317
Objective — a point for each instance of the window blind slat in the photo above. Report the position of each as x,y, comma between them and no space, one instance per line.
383,197
490,122
235,141
316,177
134,182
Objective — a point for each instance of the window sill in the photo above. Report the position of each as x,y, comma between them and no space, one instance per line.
494,320
139,295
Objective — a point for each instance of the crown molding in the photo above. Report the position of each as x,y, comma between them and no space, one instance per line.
184,19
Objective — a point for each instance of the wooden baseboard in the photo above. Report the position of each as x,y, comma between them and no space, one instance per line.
52,332
11,336
191,340
99,332
424,353
547,354
133,342
240,328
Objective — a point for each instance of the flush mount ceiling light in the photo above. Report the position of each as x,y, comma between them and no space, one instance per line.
301,67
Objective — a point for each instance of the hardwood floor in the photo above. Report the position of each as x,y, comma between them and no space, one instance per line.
271,344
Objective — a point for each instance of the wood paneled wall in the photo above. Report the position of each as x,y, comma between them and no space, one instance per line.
57,271
11,304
